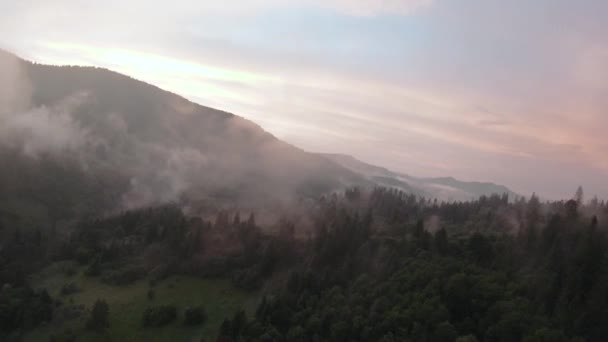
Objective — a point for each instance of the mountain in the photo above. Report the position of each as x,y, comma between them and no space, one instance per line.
444,188
78,141
82,140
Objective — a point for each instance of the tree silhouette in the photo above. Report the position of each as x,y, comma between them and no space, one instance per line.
579,196
99,319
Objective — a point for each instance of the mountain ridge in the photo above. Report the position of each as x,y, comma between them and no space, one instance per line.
99,140
424,186
154,145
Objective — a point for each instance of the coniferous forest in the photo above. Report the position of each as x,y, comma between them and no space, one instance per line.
359,265
128,213
303,171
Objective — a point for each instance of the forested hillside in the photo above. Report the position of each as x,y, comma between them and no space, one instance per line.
130,213
407,270
376,265
303,171
77,140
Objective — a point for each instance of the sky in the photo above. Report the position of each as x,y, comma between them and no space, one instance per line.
512,92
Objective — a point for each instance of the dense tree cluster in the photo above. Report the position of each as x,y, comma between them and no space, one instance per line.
160,241
157,316
378,265
195,315
22,308
416,270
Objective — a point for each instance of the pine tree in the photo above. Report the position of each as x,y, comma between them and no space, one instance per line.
579,196
99,316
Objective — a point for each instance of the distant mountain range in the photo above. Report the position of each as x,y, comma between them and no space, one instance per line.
443,188
83,140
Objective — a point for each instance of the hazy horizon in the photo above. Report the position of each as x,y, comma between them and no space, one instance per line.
481,91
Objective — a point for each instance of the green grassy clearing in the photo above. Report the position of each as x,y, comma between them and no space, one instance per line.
127,303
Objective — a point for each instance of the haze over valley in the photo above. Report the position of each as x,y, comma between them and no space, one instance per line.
278,171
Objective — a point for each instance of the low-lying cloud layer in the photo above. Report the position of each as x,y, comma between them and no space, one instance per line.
35,130
158,173
145,144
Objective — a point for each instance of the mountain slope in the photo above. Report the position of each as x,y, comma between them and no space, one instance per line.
135,144
444,188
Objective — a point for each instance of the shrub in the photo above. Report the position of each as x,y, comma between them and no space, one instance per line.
195,315
68,268
83,255
94,269
66,335
160,272
249,279
123,276
99,316
69,312
69,288
158,316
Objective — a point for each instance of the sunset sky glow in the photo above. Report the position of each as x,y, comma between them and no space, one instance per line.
513,92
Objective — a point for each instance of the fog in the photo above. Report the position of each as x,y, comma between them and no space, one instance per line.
165,148
505,92
35,129
43,130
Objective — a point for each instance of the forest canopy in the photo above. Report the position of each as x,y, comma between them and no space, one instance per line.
366,265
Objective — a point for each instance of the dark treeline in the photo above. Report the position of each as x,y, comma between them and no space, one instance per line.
152,243
392,267
378,265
